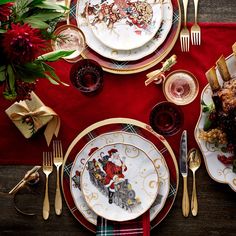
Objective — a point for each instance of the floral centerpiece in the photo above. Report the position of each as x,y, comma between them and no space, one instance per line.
26,27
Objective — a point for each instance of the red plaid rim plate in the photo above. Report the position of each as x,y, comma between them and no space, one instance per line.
130,67
127,125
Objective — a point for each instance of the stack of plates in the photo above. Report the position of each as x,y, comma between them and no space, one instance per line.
153,185
128,36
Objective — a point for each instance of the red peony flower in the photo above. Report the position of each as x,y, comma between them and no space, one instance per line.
22,43
5,11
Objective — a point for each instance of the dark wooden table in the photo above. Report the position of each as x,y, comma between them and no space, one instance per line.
217,202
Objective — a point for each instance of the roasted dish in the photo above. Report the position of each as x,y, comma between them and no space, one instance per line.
220,123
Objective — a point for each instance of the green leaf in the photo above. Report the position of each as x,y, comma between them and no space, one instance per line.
35,23
52,73
55,55
205,109
47,5
2,76
2,68
11,78
207,124
51,70
31,71
2,31
51,79
45,16
10,95
5,1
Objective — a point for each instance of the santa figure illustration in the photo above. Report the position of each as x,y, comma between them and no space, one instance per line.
114,169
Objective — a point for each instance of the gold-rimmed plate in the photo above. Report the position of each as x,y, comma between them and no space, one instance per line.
131,67
126,138
125,55
127,125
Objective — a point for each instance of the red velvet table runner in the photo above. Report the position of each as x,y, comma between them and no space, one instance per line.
122,96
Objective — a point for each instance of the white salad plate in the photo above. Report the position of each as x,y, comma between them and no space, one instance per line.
124,25
119,182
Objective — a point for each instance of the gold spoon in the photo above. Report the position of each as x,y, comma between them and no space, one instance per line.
194,158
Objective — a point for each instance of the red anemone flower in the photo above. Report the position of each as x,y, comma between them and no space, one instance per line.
22,43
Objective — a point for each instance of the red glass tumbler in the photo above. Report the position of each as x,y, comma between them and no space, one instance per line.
87,76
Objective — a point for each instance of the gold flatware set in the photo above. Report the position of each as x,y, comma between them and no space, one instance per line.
195,29
47,170
191,160
50,158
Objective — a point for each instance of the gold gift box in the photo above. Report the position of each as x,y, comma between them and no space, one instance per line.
31,115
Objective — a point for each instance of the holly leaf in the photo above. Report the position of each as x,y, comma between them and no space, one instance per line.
55,55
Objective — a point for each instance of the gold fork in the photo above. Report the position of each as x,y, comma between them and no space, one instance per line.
195,29
58,159
47,170
184,34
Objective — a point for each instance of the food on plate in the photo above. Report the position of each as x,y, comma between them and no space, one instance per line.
220,123
234,49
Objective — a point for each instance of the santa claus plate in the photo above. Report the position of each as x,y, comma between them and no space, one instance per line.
127,138
119,181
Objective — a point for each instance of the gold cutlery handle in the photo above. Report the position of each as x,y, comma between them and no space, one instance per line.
185,3
58,200
195,9
46,206
194,203
185,200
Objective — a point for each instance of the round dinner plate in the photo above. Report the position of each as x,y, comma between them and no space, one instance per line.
126,138
125,55
113,125
124,25
111,187
131,67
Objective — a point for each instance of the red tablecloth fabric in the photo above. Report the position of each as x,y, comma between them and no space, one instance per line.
122,96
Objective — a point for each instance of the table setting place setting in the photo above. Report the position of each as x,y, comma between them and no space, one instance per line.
112,106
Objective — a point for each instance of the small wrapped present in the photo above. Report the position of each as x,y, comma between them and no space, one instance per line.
31,115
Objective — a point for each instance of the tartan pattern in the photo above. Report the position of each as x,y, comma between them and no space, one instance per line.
139,226
73,9
67,169
119,64
175,16
172,190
